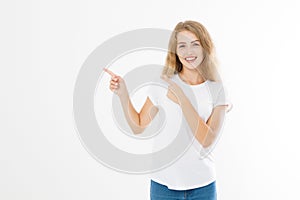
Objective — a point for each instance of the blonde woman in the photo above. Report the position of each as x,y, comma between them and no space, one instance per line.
190,63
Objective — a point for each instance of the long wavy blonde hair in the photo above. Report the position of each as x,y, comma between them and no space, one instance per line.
208,67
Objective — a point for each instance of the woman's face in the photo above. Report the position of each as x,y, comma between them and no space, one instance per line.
189,49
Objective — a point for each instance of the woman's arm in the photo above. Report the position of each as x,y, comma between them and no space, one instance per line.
137,121
205,133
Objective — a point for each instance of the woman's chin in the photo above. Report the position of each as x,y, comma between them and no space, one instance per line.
191,66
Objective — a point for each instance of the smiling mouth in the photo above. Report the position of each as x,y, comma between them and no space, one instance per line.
190,59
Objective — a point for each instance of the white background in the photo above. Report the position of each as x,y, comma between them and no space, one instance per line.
44,43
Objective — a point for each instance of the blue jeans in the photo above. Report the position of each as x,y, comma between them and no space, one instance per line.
162,192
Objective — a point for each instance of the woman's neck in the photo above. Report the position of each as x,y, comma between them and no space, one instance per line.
192,77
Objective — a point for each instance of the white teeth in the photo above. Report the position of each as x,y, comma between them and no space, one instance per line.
190,58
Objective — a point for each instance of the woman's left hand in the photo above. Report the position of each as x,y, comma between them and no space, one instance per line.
175,93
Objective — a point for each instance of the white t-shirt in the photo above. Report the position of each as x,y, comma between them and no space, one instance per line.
195,168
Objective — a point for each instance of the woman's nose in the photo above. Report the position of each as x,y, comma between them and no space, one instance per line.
189,51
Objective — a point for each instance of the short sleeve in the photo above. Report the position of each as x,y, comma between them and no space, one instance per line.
139,97
154,92
223,99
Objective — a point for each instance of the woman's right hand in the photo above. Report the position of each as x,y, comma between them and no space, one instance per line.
117,83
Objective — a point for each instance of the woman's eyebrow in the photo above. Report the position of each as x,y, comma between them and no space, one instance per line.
195,41
185,42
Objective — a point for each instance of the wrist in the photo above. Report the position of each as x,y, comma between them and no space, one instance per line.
124,96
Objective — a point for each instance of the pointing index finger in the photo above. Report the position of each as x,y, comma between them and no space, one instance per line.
109,72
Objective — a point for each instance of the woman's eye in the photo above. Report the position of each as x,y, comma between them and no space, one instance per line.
181,46
196,44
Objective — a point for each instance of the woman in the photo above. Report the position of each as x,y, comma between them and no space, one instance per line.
190,62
